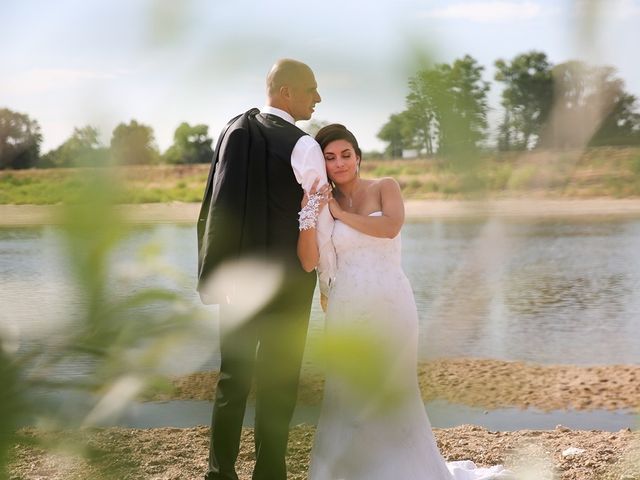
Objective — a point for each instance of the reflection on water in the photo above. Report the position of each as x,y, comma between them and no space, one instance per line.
543,291
549,292
442,414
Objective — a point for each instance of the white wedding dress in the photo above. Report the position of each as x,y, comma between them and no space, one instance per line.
359,435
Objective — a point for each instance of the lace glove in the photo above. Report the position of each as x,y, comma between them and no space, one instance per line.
308,216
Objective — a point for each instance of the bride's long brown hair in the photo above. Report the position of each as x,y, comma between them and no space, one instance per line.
334,132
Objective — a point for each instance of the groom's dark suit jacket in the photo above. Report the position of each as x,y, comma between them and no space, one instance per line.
252,197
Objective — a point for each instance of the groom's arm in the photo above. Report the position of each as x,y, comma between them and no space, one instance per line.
308,165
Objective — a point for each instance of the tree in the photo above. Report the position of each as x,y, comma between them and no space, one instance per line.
134,144
464,125
397,131
622,125
526,98
83,148
589,102
425,102
447,107
191,144
20,140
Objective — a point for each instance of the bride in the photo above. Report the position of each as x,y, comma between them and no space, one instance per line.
381,433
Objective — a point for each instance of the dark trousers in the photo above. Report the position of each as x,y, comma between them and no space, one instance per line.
270,347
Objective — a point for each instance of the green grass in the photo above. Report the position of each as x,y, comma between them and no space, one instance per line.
604,171
38,191
635,164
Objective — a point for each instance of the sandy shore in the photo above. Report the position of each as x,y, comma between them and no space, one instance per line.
181,454
483,383
177,212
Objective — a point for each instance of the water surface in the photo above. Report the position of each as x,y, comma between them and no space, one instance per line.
547,291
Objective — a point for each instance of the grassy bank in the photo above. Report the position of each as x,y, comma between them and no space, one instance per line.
139,184
598,172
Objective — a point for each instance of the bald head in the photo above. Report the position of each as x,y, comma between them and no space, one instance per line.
291,86
285,72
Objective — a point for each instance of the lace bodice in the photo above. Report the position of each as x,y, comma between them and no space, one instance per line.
355,249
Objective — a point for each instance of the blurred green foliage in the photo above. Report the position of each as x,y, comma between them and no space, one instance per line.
117,334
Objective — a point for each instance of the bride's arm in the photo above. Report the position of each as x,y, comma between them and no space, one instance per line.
308,251
386,226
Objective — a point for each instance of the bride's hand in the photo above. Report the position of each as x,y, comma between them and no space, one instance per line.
325,193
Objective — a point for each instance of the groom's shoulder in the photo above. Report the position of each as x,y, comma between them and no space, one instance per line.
242,121
275,127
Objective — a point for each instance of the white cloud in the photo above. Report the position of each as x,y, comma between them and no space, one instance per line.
492,11
43,80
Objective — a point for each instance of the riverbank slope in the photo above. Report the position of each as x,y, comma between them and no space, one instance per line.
178,212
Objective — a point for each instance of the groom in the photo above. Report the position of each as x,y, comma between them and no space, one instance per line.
261,165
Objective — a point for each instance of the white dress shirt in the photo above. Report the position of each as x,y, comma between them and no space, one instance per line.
307,162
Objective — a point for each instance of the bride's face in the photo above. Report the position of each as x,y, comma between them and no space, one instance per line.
341,161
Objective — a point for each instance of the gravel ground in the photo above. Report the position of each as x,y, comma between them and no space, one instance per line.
181,454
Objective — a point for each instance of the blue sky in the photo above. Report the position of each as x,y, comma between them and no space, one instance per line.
70,63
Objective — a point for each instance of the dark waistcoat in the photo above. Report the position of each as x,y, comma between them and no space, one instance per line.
284,193
252,198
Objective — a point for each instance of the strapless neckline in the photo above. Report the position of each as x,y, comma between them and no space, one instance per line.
376,213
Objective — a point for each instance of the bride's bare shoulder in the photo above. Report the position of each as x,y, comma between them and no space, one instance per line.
386,181
383,182
388,184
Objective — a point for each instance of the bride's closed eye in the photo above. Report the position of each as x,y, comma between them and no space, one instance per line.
333,157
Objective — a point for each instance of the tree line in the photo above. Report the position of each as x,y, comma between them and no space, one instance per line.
543,106
131,143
